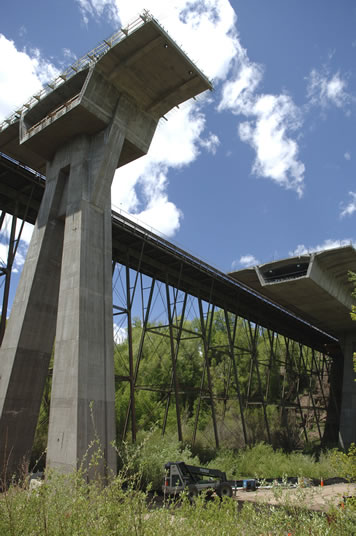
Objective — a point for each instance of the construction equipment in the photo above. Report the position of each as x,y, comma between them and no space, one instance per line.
180,476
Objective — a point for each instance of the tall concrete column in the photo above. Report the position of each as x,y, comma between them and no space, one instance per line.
83,397
29,336
347,434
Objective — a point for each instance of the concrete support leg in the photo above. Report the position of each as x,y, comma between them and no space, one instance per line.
29,336
82,414
347,434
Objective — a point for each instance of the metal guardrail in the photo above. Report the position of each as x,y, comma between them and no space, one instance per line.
82,63
36,174
205,267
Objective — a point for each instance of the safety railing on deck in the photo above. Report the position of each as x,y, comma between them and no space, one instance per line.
82,63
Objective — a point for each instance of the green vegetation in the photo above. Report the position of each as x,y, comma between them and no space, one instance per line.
352,278
271,384
259,461
262,461
345,462
68,505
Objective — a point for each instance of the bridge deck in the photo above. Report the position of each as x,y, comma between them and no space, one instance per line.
21,191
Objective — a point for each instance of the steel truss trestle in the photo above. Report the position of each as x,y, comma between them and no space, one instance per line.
263,385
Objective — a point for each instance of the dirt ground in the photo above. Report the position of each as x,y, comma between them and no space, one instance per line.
319,498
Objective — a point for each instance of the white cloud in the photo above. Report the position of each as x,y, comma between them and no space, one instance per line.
271,119
350,208
325,89
245,261
140,187
21,75
4,248
209,36
276,153
97,8
238,92
347,156
120,334
23,244
163,216
301,249
211,143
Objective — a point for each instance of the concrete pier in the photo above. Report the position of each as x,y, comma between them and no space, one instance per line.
347,430
95,120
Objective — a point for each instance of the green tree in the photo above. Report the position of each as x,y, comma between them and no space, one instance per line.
352,278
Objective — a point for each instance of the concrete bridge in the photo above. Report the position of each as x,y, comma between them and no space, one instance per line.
98,117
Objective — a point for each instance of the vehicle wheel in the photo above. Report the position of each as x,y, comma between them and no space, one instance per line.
192,494
209,494
224,490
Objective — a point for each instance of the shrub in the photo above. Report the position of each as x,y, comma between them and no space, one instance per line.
262,461
345,462
148,458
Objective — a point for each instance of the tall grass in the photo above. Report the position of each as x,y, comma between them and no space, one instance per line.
67,505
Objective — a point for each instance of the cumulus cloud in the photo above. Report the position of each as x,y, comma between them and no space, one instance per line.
245,261
325,89
271,119
21,75
347,156
140,188
349,208
330,243
276,152
238,93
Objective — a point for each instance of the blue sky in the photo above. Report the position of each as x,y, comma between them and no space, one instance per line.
261,168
